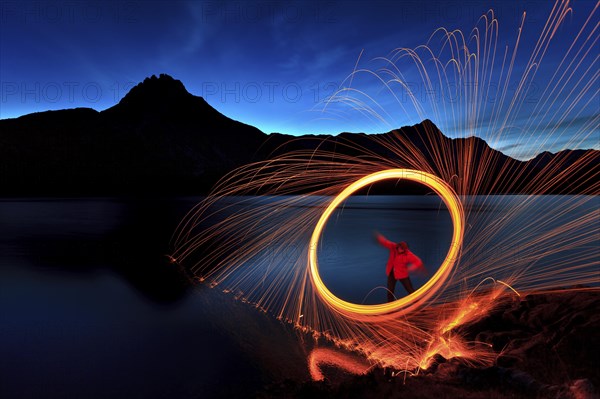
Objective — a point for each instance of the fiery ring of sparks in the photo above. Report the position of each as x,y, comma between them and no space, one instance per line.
428,289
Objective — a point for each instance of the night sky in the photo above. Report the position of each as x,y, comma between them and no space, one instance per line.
269,64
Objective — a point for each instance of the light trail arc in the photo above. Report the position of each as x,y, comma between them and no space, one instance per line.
411,301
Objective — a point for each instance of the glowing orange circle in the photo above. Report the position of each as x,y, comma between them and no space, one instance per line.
403,304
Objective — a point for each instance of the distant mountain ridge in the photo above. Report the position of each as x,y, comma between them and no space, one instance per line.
161,139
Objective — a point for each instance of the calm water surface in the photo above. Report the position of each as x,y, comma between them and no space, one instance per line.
89,308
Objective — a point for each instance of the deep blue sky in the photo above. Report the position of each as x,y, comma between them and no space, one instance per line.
265,63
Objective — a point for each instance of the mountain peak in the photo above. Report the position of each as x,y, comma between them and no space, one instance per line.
154,89
161,97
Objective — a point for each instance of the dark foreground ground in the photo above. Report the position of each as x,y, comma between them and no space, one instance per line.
548,346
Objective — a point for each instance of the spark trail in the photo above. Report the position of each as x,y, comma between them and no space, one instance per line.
260,249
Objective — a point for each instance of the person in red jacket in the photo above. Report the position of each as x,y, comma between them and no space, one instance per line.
400,263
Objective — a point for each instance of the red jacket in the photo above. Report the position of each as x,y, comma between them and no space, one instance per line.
399,262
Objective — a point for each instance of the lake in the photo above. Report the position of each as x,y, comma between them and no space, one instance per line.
89,307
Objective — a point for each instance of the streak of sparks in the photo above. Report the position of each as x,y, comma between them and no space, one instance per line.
263,249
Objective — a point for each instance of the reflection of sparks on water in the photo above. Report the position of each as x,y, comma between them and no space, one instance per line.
260,248
320,357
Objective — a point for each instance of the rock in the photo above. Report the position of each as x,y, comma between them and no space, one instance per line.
435,362
583,389
448,371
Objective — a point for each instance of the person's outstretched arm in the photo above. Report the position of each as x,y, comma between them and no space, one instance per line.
384,241
415,262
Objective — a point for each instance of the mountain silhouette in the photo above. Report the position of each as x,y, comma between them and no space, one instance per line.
161,139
